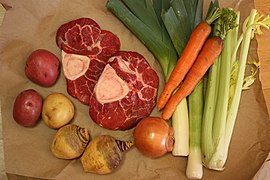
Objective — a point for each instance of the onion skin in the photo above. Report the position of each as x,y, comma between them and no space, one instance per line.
153,137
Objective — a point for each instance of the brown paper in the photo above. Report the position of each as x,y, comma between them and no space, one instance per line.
32,24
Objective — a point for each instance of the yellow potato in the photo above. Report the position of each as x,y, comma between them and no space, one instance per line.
57,110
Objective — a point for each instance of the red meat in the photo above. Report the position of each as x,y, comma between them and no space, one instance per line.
125,92
84,37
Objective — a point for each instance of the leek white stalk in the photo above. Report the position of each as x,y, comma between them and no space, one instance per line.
194,168
180,124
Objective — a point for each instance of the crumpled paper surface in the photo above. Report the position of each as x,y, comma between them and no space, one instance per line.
32,24
263,173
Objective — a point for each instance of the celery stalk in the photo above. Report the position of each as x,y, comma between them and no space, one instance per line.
209,111
232,112
208,146
217,155
210,100
234,35
217,92
251,27
223,93
219,121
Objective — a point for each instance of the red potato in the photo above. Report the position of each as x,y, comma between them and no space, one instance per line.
42,67
27,108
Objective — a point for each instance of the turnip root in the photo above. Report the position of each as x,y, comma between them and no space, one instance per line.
104,154
70,142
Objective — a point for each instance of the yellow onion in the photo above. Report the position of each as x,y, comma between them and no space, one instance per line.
153,137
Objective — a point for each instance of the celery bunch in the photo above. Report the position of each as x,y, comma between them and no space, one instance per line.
224,87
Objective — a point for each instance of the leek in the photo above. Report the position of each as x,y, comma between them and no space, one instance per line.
148,29
180,18
174,17
194,168
177,25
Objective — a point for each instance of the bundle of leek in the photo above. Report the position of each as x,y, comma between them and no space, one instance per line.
163,26
224,87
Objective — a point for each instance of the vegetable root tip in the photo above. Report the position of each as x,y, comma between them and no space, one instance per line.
166,116
124,145
161,103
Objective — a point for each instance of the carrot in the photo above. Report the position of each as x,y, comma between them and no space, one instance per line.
189,55
186,60
206,58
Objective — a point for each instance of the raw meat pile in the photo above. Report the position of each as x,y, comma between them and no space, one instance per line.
119,87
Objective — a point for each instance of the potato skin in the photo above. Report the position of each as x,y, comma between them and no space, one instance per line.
42,67
57,110
27,108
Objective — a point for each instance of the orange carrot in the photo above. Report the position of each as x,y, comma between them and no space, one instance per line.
206,58
186,60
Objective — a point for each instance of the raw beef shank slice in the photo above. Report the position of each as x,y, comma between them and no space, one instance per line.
85,51
125,92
